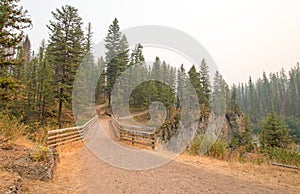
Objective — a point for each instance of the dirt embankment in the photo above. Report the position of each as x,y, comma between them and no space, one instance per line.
22,161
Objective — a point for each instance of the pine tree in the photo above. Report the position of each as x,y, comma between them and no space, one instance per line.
137,74
274,132
194,77
205,82
13,20
233,100
46,85
123,56
252,100
116,55
137,56
219,95
88,65
181,79
65,51
101,83
246,135
283,85
112,45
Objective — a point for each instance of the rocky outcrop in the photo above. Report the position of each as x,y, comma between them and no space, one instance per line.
233,124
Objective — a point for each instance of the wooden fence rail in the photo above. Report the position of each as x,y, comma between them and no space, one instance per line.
285,165
62,136
134,134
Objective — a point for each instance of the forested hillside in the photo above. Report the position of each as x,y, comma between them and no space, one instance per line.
279,91
36,87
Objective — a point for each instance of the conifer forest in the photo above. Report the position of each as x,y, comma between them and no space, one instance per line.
262,116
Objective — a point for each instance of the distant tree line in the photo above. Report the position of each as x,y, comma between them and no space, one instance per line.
279,92
37,87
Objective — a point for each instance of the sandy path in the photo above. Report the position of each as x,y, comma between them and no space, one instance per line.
174,177
80,171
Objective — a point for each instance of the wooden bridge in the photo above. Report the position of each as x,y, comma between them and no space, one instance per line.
134,134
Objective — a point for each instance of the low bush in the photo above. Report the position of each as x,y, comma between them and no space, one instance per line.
281,155
218,150
254,156
247,154
40,154
11,128
195,145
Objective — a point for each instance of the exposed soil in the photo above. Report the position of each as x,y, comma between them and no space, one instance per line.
187,174
19,163
80,171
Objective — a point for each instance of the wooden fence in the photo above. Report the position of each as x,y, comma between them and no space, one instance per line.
134,134
62,136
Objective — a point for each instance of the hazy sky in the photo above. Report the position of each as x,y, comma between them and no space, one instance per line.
244,37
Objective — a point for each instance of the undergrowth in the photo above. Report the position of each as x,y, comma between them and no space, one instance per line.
255,155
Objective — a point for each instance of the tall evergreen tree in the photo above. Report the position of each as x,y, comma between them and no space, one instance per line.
138,72
233,100
219,95
194,77
13,21
137,56
88,64
116,55
46,85
101,83
246,135
65,51
205,82
181,79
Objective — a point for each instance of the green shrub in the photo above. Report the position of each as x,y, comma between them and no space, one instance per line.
234,142
218,150
11,128
195,145
40,154
281,155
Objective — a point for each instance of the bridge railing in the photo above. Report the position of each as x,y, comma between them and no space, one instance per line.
134,134
62,136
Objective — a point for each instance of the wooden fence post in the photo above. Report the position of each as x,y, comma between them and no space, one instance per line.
154,139
132,140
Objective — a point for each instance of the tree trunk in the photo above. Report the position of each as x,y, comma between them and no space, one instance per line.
109,98
61,91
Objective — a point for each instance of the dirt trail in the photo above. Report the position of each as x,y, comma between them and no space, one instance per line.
178,176
175,177
80,171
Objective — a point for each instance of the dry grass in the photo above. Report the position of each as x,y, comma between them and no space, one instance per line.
65,177
272,176
24,142
7,180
